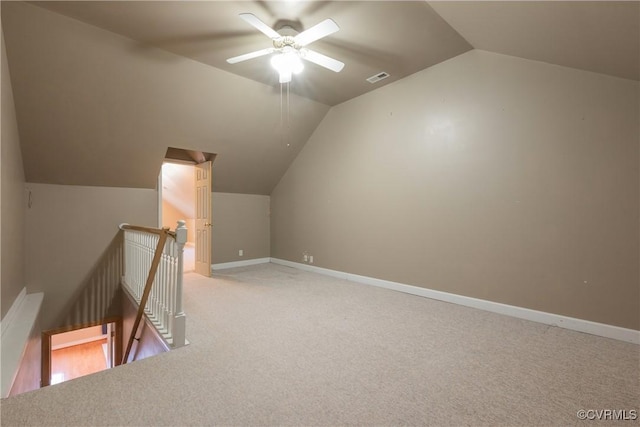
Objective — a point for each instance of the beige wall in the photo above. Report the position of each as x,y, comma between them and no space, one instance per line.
240,221
12,230
69,228
12,204
487,176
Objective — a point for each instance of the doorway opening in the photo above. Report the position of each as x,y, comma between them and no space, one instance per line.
184,193
178,203
80,350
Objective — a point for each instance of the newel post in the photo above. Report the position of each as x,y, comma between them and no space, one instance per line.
179,320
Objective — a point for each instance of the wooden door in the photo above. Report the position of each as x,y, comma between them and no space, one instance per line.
203,218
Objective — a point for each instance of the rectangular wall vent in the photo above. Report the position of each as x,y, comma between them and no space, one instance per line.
376,78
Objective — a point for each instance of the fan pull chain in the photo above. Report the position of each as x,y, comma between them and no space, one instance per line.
285,128
288,118
281,117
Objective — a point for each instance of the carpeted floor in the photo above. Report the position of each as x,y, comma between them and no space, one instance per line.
271,345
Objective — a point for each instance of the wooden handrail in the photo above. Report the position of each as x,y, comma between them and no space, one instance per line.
158,231
164,232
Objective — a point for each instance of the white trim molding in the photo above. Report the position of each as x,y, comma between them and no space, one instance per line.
16,330
580,325
243,263
13,310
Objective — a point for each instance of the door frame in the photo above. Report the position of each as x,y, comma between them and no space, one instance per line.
160,196
45,366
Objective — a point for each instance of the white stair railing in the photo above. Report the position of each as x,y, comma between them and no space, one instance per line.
163,305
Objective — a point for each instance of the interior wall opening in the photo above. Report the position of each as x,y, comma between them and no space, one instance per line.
178,203
74,352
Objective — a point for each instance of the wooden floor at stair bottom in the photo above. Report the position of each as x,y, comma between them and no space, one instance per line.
77,361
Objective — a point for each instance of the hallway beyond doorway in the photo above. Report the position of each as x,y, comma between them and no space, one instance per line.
77,361
189,258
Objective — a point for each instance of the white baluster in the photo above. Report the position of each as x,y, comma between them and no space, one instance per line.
179,319
165,287
164,305
171,286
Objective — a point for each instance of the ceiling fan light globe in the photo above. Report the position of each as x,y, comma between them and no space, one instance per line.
277,62
287,63
293,62
297,67
280,62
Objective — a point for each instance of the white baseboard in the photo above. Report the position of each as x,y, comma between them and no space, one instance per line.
242,263
16,330
580,325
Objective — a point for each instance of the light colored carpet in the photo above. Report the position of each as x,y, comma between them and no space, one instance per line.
271,345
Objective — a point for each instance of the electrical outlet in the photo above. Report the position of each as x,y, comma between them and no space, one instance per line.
305,257
241,252
311,259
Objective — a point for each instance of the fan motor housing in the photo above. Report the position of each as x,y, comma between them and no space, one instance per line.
288,27
285,41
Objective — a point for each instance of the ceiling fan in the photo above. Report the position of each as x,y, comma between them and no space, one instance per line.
291,49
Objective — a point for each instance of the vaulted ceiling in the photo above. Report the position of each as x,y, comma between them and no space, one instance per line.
103,88
398,37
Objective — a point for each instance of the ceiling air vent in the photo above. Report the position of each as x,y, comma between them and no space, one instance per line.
376,78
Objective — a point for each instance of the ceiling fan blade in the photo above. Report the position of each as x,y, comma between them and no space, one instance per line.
261,26
322,60
318,31
251,55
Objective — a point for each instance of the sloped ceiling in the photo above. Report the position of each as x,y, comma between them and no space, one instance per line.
101,95
94,109
399,37
599,36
